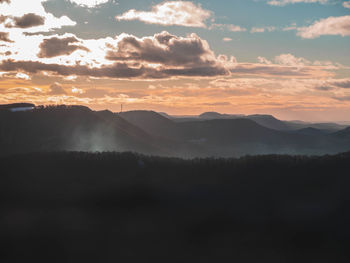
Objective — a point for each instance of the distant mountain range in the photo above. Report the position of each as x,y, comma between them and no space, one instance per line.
26,128
267,121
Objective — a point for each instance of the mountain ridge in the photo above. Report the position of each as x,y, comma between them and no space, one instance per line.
78,128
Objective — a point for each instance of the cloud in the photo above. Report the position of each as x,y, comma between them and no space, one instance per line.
30,17
164,48
342,98
4,36
159,56
346,4
219,103
287,65
257,30
291,60
26,21
345,84
56,89
329,26
179,13
227,39
271,70
89,3
77,90
334,84
234,28
262,29
21,75
117,70
324,88
263,60
53,47
171,55
228,27
286,2
299,62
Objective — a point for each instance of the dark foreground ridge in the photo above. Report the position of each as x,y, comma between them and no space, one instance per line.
124,207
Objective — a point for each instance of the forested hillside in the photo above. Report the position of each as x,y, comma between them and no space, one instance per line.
81,207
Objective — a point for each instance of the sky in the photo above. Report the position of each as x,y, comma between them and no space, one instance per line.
288,58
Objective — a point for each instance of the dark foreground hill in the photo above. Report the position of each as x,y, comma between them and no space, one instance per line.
79,207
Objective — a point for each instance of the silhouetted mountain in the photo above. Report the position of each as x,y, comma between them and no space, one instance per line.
329,127
312,131
73,128
269,121
166,115
216,115
234,137
151,122
78,128
343,134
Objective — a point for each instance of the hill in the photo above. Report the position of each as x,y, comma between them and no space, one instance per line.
122,207
77,128
73,128
267,121
343,134
151,122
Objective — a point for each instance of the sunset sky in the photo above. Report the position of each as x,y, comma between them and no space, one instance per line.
289,58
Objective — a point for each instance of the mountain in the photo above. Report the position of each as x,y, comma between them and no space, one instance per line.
312,131
151,122
77,128
166,115
216,115
73,128
329,127
269,121
343,134
234,136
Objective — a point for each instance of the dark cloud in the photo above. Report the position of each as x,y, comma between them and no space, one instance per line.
324,88
2,18
165,49
53,47
27,20
117,70
56,89
209,71
4,36
345,84
344,98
